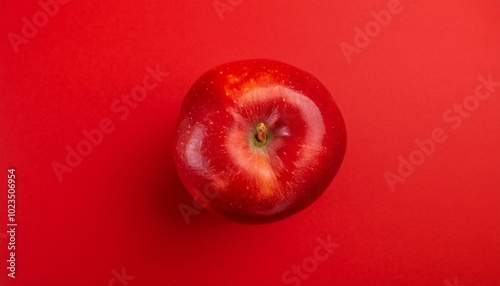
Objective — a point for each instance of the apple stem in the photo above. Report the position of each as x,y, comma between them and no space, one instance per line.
261,133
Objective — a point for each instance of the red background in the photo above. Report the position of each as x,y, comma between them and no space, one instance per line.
119,207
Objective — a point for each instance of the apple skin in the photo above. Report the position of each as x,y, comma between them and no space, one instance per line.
226,167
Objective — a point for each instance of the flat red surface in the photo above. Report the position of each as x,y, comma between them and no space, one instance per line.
117,210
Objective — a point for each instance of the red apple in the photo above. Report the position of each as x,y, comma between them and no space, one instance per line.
258,140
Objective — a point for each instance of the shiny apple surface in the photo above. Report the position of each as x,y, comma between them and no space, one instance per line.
258,140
